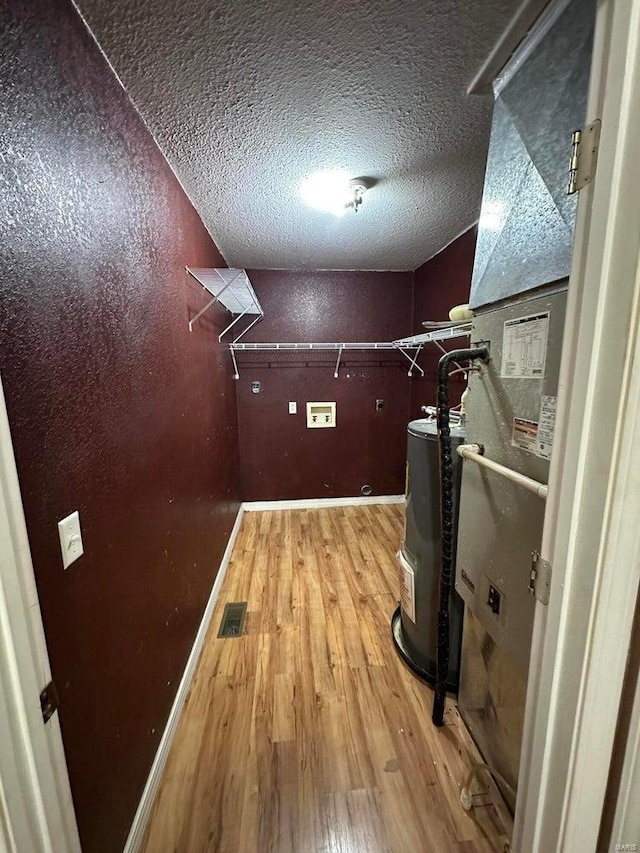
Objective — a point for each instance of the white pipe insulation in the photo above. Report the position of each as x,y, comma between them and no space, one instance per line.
474,453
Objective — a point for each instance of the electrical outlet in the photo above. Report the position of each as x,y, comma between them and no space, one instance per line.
494,599
293,408
379,405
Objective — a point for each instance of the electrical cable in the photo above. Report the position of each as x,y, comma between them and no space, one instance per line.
466,797
446,516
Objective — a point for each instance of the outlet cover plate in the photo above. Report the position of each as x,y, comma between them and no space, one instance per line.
321,415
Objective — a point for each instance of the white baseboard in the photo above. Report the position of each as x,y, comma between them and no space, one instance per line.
320,503
145,805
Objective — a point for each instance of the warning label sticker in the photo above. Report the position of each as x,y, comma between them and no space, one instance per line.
536,436
525,435
407,587
524,347
546,426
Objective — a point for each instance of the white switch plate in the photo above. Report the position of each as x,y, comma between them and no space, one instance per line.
70,539
293,408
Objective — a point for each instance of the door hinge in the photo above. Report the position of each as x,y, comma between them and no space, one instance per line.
49,701
584,156
540,578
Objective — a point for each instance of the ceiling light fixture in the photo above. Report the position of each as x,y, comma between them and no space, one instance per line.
332,191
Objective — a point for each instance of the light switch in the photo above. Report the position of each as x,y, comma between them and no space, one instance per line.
293,408
70,539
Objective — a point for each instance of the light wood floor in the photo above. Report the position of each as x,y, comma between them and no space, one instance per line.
308,733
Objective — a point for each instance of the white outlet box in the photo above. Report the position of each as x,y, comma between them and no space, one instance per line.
293,408
321,415
70,539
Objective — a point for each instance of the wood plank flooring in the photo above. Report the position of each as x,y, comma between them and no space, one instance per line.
307,733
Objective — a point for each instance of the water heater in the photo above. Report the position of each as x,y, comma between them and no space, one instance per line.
414,624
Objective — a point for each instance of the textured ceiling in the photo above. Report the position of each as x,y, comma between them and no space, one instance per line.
247,98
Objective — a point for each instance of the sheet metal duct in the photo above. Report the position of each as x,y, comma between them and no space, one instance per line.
525,235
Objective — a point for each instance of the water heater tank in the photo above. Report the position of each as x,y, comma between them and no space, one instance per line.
414,624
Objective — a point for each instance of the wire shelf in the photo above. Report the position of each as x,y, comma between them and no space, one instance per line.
409,347
351,345
233,290
458,331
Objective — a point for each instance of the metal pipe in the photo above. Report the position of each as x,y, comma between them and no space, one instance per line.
447,526
475,453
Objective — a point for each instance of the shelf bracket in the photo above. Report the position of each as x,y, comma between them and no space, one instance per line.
335,372
232,323
445,351
211,302
236,374
413,360
250,326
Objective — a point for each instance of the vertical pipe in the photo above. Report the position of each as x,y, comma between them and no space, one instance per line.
446,516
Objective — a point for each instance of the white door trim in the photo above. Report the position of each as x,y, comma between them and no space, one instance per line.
581,640
35,798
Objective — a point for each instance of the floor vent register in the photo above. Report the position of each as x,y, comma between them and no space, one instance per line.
233,617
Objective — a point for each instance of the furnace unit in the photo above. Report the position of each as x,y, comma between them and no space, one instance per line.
518,294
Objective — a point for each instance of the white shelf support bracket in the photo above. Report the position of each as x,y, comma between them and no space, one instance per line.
444,352
236,372
202,311
335,372
250,326
413,359
211,302
232,323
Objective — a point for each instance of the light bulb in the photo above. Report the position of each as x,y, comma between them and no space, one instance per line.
328,190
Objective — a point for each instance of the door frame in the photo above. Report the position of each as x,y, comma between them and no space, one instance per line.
591,535
36,809
580,640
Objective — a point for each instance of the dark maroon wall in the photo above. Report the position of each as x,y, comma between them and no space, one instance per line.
279,457
439,284
116,409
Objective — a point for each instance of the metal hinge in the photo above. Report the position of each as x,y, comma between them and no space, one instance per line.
49,701
540,578
584,156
